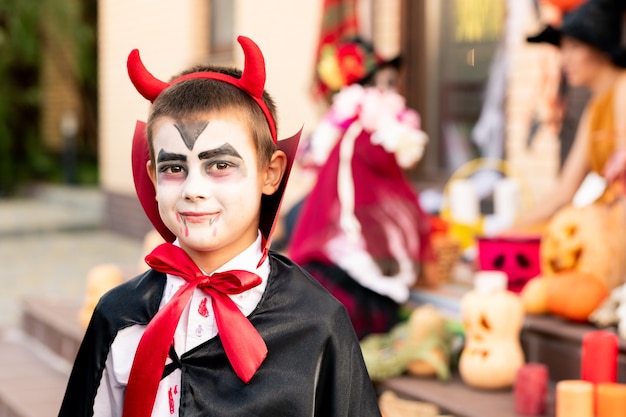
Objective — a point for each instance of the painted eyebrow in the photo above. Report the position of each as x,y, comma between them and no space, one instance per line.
168,156
225,149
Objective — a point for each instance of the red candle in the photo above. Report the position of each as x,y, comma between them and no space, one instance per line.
599,356
531,388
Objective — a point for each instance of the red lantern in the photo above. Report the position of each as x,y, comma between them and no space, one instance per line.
518,257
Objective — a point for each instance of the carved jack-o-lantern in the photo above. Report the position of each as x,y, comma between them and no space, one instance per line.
589,239
518,257
492,318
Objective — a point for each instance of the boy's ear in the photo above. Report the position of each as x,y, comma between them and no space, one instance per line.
274,172
151,173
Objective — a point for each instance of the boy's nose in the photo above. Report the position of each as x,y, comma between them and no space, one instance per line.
193,196
195,189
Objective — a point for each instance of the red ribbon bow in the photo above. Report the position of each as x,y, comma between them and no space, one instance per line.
243,345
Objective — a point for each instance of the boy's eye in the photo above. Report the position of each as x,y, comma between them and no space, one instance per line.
171,169
220,165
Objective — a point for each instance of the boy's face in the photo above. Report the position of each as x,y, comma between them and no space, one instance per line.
208,183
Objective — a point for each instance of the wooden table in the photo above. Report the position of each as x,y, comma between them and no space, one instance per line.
557,343
545,339
456,398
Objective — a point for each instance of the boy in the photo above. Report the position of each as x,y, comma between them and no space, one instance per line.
176,340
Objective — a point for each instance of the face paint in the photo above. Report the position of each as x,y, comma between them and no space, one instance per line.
190,130
184,230
209,194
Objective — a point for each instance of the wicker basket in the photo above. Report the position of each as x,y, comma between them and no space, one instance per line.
447,251
466,233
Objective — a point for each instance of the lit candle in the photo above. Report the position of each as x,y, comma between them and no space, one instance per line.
464,202
574,398
599,356
531,388
611,400
507,199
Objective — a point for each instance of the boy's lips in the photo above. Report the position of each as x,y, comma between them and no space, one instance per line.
198,217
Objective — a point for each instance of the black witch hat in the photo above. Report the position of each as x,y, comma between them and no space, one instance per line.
595,22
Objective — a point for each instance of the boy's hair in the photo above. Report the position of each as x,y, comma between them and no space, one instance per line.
189,98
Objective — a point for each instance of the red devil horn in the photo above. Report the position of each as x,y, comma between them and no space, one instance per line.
253,77
146,84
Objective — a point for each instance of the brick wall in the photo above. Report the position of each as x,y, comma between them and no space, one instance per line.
532,124
59,92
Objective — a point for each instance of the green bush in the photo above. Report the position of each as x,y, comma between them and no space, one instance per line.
26,28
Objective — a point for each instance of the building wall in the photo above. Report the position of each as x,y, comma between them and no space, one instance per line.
286,32
168,37
387,21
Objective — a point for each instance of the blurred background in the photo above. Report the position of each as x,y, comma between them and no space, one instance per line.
68,111
67,108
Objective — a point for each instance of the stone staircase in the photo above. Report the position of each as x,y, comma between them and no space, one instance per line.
36,357
50,235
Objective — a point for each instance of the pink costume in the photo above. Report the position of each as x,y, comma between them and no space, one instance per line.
362,221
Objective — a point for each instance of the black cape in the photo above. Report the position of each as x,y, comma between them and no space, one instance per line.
314,365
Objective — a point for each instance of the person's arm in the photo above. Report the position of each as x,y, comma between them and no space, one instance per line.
574,170
616,165
110,395
88,369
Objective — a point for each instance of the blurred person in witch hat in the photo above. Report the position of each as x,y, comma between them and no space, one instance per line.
361,232
592,56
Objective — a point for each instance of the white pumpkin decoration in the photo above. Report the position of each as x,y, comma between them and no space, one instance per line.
493,318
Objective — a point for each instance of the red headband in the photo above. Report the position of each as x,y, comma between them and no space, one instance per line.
252,79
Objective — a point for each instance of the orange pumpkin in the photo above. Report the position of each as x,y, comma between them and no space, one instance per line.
534,295
574,295
100,279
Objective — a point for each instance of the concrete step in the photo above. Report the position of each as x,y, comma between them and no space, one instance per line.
53,322
45,208
75,196
36,358
32,380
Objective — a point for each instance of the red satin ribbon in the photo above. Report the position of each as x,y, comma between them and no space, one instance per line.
243,345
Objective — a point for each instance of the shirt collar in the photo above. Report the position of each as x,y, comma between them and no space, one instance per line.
247,260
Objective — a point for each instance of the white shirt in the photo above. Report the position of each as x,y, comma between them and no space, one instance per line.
196,326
